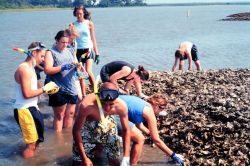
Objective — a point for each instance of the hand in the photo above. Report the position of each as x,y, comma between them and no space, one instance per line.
50,88
97,59
67,66
125,161
178,158
87,162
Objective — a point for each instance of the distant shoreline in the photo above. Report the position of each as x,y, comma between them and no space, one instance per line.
24,9
200,4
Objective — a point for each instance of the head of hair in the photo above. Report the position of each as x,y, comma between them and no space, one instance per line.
85,11
61,34
177,54
108,85
143,74
158,99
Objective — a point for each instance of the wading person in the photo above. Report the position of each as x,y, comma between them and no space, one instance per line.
60,68
120,70
26,110
87,50
189,51
139,112
90,134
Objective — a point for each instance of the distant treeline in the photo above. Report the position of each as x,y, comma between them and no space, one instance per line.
69,3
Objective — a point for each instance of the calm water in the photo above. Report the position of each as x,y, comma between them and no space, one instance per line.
140,35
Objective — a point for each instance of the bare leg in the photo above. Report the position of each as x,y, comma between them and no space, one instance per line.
198,65
138,141
29,151
58,117
114,162
69,115
89,64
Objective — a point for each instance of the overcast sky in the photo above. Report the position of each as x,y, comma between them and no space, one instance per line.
190,1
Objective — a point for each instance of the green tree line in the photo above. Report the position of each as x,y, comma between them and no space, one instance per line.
69,3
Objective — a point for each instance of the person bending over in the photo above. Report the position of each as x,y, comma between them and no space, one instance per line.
140,111
121,70
89,132
186,50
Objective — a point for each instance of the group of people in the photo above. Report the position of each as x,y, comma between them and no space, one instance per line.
98,118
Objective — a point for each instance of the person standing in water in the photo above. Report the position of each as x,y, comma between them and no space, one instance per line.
26,110
60,68
187,50
87,50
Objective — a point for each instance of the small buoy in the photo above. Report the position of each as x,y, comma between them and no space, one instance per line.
188,13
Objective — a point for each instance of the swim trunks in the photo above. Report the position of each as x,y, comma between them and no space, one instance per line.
31,123
93,137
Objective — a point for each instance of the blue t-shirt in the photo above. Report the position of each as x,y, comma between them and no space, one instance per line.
135,108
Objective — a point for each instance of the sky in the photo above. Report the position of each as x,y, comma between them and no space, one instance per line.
190,1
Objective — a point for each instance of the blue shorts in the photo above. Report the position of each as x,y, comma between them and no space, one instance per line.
31,123
59,99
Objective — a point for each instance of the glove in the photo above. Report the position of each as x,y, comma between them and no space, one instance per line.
178,158
50,88
97,59
125,161
67,66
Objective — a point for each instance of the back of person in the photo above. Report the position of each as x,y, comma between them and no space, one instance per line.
186,45
135,107
112,67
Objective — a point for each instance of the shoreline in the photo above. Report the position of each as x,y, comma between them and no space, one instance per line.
208,114
41,8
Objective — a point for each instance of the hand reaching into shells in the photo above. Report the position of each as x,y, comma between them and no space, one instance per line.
178,158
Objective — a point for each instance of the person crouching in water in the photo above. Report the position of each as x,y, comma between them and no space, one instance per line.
26,110
121,70
140,111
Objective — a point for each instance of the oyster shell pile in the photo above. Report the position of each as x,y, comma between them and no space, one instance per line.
208,114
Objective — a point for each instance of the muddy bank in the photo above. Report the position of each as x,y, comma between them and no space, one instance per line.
208,115
238,17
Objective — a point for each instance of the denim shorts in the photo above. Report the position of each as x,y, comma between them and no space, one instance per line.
59,99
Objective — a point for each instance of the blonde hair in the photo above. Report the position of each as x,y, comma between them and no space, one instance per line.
158,99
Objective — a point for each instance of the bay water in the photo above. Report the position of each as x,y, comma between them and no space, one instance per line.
139,35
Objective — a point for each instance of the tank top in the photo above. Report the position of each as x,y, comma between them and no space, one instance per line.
84,39
22,102
135,108
116,66
64,79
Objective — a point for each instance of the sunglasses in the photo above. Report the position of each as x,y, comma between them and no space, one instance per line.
40,46
108,94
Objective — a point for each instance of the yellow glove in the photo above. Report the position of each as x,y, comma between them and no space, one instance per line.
50,88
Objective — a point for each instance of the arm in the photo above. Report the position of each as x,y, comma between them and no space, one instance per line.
175,64
181,65
125,71
23,76
92,34
125,132
79,122
48,65
143,128
128,85
137,83
149,116
189,56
